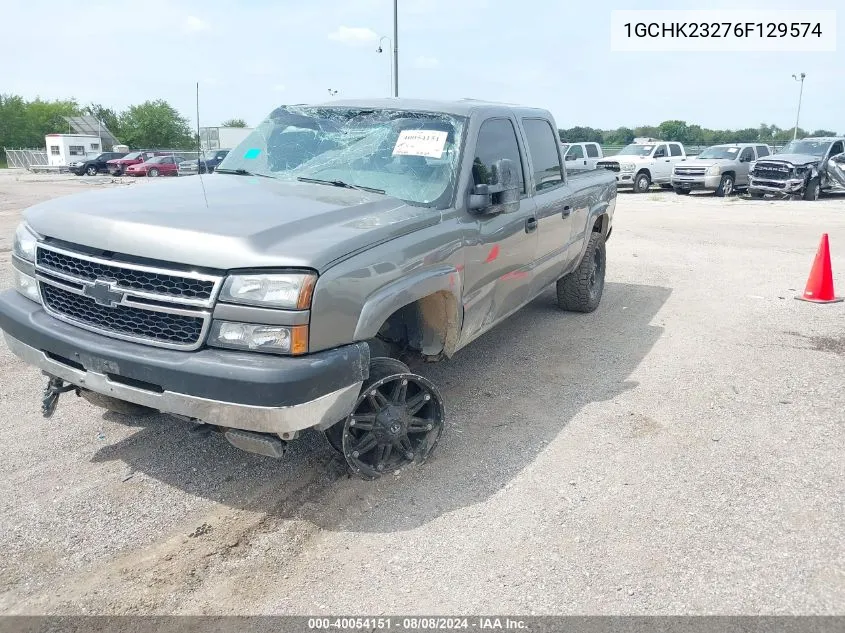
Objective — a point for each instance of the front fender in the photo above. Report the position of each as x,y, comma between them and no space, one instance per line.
415,286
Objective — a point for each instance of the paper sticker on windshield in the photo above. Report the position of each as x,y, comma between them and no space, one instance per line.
427,143
252,153
733,150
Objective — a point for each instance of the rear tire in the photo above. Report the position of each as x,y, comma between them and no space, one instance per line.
812,190
642,183
581,290
726,186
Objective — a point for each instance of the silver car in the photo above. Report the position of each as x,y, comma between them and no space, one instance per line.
720,168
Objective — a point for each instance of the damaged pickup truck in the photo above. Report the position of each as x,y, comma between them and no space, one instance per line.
293,287
805,168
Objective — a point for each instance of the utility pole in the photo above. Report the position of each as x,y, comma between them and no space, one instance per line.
800,93
395,48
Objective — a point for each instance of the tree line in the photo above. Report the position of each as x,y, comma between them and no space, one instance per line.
687,134
152,124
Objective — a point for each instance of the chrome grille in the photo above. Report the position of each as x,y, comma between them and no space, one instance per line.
690,171
127,278
607,164
772,171
125,320
145,304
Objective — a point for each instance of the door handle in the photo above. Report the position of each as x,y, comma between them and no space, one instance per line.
530,225
667,160
566,211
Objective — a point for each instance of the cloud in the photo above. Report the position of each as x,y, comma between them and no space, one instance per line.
279,88
193,24
426,62
354,36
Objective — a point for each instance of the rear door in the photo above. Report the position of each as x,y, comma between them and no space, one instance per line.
499,261
575,159
593,154
676,155
552,196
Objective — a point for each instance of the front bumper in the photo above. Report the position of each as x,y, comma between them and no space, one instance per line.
243,390
781,187
624,179
691,183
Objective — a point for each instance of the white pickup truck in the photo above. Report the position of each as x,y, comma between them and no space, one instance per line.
581,156
639,165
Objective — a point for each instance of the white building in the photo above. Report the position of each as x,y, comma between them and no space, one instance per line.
222,137
63,149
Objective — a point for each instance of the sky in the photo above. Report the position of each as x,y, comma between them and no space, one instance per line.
253,55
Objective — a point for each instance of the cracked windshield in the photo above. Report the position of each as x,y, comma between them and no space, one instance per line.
408,155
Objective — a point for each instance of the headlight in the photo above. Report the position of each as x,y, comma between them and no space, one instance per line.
626,166
714,170
24,243
291,291
26,285
277,339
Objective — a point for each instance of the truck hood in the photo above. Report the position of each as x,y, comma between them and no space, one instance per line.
795,159
249,221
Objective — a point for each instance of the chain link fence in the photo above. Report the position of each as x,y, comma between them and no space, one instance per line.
25,158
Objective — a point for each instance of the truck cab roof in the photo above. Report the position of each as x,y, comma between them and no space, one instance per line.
461,107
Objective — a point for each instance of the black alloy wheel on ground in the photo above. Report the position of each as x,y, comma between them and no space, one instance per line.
397,421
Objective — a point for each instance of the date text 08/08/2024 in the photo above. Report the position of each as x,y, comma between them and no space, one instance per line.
416,623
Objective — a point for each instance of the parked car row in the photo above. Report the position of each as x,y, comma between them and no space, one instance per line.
151,163
805,167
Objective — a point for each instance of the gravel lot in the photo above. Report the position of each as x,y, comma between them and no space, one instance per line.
678,451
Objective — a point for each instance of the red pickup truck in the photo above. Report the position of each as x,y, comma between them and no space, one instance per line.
118,166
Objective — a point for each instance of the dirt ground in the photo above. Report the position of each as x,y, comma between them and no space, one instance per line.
678,451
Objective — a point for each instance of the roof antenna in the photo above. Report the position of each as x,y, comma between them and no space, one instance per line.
200,153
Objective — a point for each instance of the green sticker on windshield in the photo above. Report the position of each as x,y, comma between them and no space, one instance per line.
252,153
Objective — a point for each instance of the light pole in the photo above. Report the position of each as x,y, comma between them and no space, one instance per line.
381,50
800,93
395,48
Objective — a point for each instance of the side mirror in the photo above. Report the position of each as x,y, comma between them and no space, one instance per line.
500,196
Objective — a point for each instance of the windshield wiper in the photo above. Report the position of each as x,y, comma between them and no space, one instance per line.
240,172
339,183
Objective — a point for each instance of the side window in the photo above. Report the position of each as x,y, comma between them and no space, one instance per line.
576,151
54,150
496,140
543,146
747,155
836,148
762,150
660,152
675,149
592,150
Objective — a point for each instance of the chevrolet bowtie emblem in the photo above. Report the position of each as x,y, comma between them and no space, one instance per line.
103,293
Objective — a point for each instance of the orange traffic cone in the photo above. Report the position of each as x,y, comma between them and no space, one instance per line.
820,283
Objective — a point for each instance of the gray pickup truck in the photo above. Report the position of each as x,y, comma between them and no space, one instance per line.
294,288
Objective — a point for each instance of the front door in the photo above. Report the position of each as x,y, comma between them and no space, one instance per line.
503,244
662,170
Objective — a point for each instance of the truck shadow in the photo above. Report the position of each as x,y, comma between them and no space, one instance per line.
508,395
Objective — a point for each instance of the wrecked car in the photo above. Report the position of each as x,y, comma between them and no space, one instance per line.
294,287
805,168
